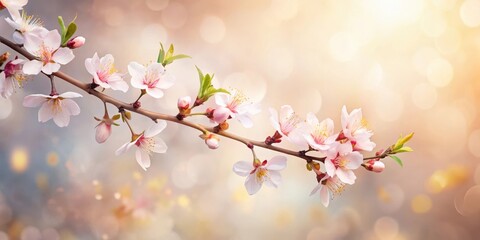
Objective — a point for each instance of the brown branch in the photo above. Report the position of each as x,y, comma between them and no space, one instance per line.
154,115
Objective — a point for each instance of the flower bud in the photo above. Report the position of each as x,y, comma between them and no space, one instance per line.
375,166
184,102
221,114
212,141
76,42
103,131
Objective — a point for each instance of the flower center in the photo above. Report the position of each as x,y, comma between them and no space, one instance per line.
29,23
340,162
56,105
147,144
238,99
261,174
319,134
151,79
334,185
46,55
288,123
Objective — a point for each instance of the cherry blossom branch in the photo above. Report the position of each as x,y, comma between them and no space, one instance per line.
155,115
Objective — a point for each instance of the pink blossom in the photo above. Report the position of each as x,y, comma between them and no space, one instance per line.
234,105
289,125
212,141
319,135
104,73
260,172
146,143
328,187
341,160
11,77
13,6
47,49
153,78
59,107
355,130
183,103
25,25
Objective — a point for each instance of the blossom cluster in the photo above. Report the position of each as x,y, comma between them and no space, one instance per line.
340,152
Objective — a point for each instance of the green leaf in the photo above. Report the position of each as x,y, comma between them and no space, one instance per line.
170,52
397,159
173,58
63,29
161,54
404,149
72,28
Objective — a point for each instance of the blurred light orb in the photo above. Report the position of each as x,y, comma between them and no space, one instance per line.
31,233
5,108
374,76
423,57
424,96
391,197
388,105
449,42
395,12
19,160
444,5
474,143
470,13
114,16
3,236
279,63
152,35
476,175
212,29
181,177
157,5
440,72
470,201
343,47
386,228
284,9
175,15
313,97
52,159
421,203
433,24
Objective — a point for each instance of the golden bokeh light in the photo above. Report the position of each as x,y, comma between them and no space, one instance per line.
421,204
19,160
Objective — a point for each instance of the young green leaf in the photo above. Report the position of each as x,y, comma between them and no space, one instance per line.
72,28
161,54
63,29
397,159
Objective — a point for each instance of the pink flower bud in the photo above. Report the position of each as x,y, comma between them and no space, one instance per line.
221,114
76,42
212,141
103,131
375,166
184,103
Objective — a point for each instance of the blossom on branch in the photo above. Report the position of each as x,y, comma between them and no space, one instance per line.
289,125
319,135
13,6
328,187
25,25
341,160
153,78
146,143
76,42
260,172
48,52
104,73
59,107
11,77
355,130
234,105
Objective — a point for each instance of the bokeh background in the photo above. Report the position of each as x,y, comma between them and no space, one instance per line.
411,65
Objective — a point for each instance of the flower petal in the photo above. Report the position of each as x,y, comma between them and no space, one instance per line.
277,163
155,129
63,56
34,100
325,196
160,146
61,117
136,70
70,95
222,99
274,179
143,159
33,44
122,149
45,112
32,67
166,81
70,107
355,160
252,185
155,92
242,168
52,40
315,190
346,176
50,68
330,167
119,85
